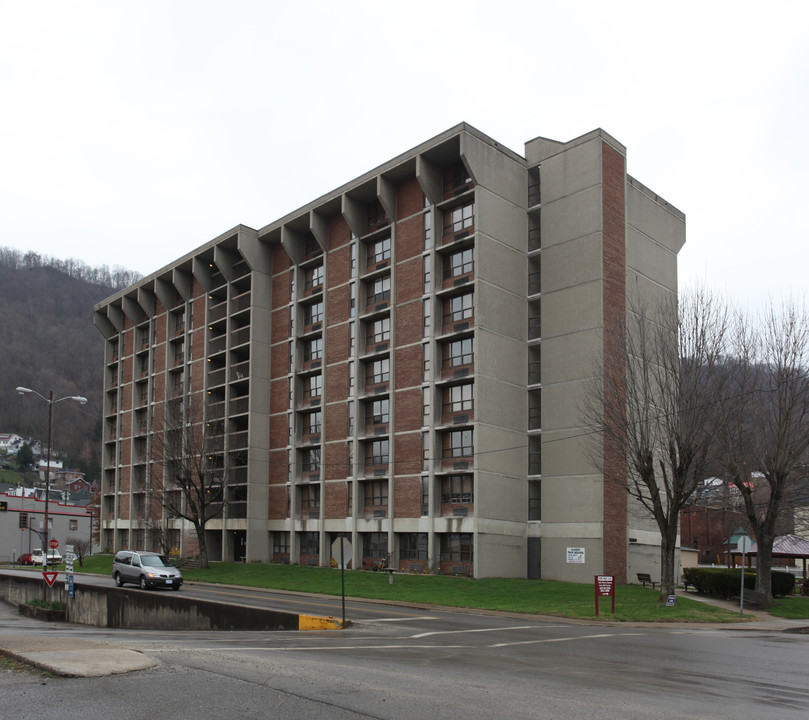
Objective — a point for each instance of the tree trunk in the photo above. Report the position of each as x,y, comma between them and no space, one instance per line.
668,547
203,548
764,566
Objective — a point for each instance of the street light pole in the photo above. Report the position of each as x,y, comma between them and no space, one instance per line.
48,481
79,399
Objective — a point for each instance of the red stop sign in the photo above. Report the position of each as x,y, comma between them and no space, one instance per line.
54,543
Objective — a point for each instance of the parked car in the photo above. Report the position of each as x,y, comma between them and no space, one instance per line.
25,559
147,569
54,558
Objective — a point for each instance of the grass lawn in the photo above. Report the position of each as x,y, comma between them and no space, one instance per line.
793,608
542,597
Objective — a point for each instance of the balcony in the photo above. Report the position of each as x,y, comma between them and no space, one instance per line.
240,336
240,302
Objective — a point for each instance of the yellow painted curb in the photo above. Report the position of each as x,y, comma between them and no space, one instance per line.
315,622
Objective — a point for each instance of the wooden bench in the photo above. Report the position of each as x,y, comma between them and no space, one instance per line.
754,599
646,578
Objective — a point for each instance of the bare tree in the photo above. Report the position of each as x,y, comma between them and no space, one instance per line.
647,405
81,547
764,434
192,483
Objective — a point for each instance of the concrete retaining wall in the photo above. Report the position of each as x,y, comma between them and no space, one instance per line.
123,608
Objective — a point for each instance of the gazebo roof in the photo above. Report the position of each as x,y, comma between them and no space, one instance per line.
790,546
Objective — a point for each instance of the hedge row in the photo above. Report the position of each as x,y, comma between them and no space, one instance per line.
725,583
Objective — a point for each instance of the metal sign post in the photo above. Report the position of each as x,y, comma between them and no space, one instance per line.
342,547
69,557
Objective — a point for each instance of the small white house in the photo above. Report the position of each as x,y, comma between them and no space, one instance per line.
10,442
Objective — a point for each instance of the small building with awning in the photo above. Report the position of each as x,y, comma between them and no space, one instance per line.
784,547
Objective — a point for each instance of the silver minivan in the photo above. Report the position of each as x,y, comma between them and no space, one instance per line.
147,569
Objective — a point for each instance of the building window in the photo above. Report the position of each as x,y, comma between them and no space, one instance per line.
425,311
375,493
426,354
73,524
313,313
456,547
353,255
376,452
427,272
535,500
425,496
379,289
458,444
379,251
310,460
313,349
312,422
23,520
458,398
459,263
428,230
376,215
458,352
456,177
378,331
460,307
459,218
378,371
426,450
310,543
413,546
456,490
377,412
312,386
280,543
375,545
310,497
313,277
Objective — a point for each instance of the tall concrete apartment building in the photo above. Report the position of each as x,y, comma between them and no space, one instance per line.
400,362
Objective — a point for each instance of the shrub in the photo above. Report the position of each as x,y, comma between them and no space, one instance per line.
725,582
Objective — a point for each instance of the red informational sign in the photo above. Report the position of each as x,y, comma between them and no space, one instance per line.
605,587
54,543
50,576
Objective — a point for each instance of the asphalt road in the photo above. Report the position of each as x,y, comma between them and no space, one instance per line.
400,662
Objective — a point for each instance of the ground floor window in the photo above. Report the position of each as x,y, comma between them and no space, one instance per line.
310,543
280,543
413,546
456,547
374,545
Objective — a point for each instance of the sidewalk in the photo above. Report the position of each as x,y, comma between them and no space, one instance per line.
71,657
763,620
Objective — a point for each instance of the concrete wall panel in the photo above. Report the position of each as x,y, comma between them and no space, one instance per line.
571,310
571,263
570,171
573,216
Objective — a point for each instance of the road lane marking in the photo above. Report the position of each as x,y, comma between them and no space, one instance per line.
396,619
464,632
565,639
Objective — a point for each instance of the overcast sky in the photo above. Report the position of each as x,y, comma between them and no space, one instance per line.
132,133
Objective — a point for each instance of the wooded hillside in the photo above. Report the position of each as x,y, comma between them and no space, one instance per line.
48,342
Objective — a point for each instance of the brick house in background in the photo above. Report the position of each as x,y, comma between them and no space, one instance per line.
400,362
